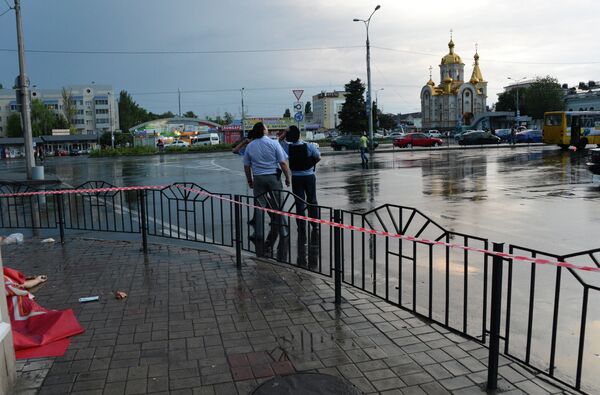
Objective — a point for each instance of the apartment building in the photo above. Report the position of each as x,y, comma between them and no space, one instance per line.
96,107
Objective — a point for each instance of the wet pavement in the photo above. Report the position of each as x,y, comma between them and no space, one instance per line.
535,196
194,324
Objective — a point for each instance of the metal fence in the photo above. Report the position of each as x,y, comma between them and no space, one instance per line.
548,314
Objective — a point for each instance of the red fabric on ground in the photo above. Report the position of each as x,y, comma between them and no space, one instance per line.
54,349
37,332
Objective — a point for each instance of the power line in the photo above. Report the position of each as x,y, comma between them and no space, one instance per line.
231,90
181,52
489,60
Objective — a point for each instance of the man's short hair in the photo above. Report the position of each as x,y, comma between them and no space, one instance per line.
258,130
293,134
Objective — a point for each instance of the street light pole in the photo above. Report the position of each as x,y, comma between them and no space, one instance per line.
517,81
24,95
369,102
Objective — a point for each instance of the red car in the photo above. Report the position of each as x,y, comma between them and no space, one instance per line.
417,140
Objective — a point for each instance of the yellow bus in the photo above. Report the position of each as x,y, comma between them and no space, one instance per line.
572,128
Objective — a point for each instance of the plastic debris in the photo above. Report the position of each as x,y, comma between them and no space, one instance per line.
14,238
89,299
120,295
49,240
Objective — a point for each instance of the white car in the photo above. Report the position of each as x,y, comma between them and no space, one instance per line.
177,143
396,135
434,133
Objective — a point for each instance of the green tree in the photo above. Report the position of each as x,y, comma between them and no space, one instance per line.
130,113
507,101
13,125
190,114
43,120
227,118
387,121
307,108
287,113
60,122
68,109
545,94
353,115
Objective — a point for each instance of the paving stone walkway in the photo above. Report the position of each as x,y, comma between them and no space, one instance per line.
194,324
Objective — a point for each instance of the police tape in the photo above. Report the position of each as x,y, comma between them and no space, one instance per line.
334,224
79,191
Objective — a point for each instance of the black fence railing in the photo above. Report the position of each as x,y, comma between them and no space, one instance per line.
544,316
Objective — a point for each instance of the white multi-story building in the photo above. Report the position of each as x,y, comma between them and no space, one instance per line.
96,107
326,107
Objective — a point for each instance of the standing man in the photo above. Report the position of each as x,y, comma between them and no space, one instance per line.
363,144
262,158
303,158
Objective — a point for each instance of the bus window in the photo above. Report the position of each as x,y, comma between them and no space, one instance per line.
553,120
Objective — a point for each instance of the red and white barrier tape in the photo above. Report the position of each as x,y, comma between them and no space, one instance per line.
521,258
88,190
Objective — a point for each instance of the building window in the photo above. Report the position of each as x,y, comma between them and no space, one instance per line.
102,111
101,102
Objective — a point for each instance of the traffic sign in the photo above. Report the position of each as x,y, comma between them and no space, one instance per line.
298,106
299,117
298,93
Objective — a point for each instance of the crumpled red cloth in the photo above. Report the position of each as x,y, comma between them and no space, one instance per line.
37,332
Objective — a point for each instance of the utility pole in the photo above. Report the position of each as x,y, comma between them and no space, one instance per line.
23,86
243,123
179,99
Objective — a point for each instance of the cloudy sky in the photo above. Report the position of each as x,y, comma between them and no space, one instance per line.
205,43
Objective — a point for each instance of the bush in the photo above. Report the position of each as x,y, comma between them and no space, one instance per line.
124,151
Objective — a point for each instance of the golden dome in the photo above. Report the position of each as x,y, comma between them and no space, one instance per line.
448,80
430,82
451,58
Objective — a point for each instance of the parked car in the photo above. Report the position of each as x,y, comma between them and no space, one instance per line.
348,142
417,140
529,136
503,134
396,135
177,143
61,152
434,133
478,137
206,139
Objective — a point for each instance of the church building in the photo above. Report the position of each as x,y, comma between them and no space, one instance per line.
453,102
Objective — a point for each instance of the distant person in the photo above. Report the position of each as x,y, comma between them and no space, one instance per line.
364,146
160,145
513,135
303,158
262,158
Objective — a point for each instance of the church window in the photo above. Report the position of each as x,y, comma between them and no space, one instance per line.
467,94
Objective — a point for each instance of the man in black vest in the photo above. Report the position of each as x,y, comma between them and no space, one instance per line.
303,158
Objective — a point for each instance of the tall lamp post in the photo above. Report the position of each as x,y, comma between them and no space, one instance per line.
369,103
517,81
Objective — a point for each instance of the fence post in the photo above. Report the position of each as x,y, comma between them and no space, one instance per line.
142,213
61,219
237,207
496,311
337,252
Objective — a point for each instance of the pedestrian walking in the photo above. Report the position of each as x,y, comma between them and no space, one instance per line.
262,158
303,158
363,146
